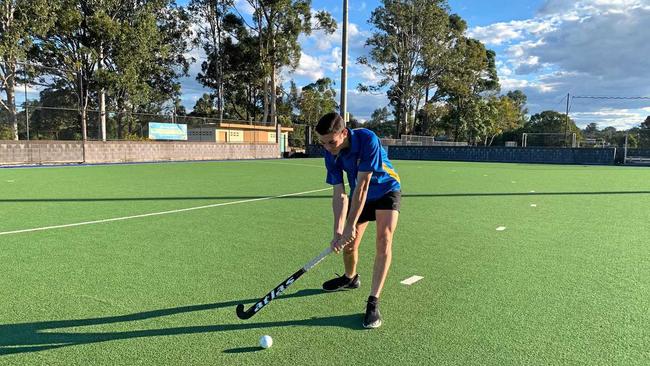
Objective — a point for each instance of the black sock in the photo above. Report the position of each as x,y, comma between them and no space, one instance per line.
373,300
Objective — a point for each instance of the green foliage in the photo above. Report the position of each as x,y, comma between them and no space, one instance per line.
20,21
410,36
431,119
132,50
419,47
204,107
297,136
316,100
381,123
646,124
278,25
551,122
53,123
519,99
132,136
6,132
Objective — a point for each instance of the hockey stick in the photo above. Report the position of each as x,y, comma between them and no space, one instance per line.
280,288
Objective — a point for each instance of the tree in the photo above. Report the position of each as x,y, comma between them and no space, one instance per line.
134,50
204,107
430,119
147,58
316,100
381,123
591,130
278,25
20,21
643,133
471,77
409,35
503,116
287,106
552,122
54,123
210,16
243,76
519,99
646,124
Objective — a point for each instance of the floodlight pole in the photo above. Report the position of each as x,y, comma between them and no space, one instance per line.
344,62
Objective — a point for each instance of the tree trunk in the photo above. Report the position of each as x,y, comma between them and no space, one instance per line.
102,100
265,117
274,116
83,117
220,102
398,119
84,123
119,125
405,118
11,99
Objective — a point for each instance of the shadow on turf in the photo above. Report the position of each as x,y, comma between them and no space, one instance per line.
243,350
468,194
41,336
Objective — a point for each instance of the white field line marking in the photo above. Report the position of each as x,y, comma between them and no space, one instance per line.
411,280
159,213
295,164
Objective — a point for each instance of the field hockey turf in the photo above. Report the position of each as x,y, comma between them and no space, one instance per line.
144,264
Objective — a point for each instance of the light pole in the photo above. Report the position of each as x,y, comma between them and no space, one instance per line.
344,62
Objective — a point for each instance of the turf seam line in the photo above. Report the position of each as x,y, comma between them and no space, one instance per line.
159,213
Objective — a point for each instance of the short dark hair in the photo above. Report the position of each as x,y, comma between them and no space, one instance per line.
331,122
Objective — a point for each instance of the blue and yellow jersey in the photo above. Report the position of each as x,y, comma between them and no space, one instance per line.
365,154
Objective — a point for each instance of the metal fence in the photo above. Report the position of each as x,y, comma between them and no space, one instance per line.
414,140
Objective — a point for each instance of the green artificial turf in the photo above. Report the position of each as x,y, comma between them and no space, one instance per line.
566,283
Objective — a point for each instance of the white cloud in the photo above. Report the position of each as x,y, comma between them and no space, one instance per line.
592,6
322,41
505,32
367,75
31,90
621,119
361,105
310,67
588,47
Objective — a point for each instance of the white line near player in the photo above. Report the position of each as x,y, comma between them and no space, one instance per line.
411,280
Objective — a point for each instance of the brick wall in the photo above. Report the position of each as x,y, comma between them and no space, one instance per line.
40,152
51,152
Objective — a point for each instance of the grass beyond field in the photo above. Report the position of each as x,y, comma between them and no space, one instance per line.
144,264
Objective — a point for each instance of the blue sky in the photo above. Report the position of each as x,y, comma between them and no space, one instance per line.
546,48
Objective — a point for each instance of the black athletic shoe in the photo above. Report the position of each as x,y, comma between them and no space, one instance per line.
342,283
373,316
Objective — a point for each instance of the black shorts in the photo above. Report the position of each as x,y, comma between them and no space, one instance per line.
390,201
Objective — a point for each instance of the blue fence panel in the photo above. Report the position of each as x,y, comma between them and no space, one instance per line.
546,155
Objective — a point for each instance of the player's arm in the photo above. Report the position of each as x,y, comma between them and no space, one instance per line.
356,206
369,162
358,198
339,208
